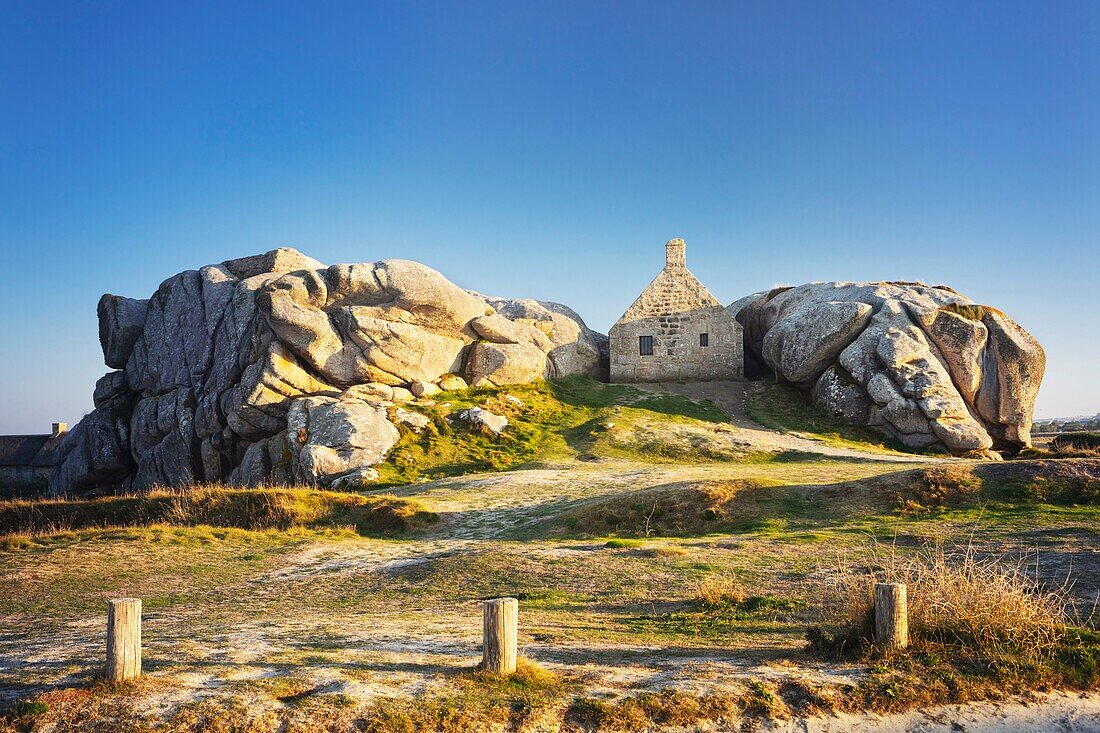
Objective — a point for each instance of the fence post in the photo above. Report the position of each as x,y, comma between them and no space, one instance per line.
123,639
501,633
891,616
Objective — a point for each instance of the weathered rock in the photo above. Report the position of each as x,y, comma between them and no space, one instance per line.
224,367
500,330
481,417
1020,363
452,383
414,421
163,441
330,437
278,261
923,364
95,454
809,339
576,349
424,389
961,342
836,393
395,353
356,479
121,321
110,388
400,394
259,402
268,461
502,364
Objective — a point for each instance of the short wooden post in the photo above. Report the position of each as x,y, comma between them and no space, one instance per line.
498,652
891,616
123,639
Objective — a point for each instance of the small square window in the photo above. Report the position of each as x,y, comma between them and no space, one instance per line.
645,345
704,339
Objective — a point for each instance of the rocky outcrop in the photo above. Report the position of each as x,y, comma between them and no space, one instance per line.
923,364
276,368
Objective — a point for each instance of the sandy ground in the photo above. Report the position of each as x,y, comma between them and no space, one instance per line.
1060,712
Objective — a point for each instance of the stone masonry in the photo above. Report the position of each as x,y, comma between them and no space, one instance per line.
691,334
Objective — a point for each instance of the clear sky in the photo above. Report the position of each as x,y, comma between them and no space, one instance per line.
548,150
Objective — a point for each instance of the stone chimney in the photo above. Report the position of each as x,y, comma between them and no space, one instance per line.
675,256
59,428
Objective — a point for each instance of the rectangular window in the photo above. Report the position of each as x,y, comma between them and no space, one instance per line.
645,345
704,339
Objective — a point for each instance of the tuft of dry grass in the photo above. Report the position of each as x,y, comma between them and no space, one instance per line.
762,700
966,310
988,604
720,590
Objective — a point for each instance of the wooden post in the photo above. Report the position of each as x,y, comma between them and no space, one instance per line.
501,633
123,639
891,616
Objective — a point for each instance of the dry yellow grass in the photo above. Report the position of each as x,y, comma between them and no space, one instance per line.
720,590
990,604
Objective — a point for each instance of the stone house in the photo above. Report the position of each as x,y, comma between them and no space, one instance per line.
676,330
26,461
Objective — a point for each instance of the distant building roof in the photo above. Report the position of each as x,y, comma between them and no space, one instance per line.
29,450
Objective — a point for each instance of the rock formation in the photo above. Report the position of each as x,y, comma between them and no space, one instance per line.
922,364
276,368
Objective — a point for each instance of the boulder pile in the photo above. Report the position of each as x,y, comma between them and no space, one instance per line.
275,368
922,364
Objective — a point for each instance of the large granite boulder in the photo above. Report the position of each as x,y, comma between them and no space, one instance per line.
922,364
277,369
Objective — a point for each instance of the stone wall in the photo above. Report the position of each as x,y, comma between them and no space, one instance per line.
675,309
677,354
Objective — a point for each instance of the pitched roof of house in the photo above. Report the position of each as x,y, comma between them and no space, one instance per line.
29,450
675,289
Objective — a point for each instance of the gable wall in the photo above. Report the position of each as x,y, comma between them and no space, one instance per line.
674,310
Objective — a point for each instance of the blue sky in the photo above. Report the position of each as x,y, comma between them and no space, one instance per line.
548,150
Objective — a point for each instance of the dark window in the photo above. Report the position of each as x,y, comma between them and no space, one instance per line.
645,345
704,339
